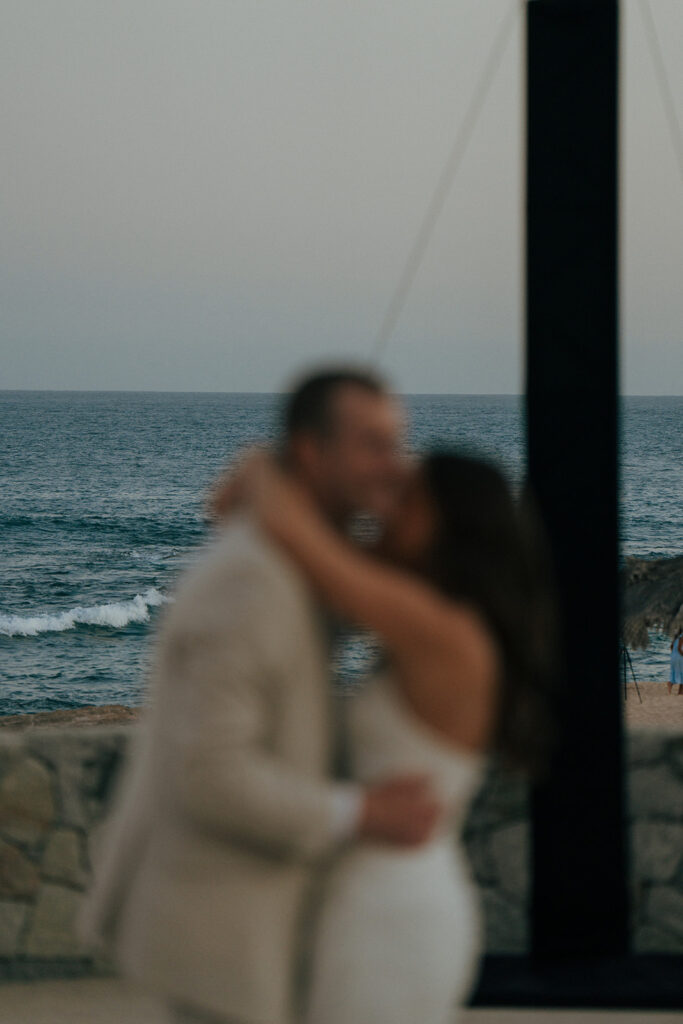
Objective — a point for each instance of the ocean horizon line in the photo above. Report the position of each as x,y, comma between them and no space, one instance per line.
284,391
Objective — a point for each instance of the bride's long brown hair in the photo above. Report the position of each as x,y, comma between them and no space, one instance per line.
490,551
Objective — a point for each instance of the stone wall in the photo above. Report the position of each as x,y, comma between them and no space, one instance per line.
54,786
54,789
497,837
656,831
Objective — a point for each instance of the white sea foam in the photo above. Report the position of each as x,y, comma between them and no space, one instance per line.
115,616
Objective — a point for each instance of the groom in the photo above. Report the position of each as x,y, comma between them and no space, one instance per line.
229,803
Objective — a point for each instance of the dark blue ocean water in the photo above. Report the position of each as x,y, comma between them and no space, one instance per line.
101,507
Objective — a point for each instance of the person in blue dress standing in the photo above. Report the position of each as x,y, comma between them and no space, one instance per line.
676,675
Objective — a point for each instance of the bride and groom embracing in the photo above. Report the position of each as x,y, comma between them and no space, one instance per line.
231,816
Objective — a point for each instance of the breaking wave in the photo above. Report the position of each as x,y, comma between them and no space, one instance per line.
112,616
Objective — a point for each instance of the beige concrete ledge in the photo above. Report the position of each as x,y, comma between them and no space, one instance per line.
110,1001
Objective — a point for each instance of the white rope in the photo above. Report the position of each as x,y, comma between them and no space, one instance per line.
445,182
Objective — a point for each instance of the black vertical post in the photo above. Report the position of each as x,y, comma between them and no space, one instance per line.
579,901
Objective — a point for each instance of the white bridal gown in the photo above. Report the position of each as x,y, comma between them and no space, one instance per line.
399,937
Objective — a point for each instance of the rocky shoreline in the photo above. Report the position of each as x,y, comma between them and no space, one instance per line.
90,714
656,710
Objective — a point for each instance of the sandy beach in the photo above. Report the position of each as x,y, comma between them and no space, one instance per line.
658,710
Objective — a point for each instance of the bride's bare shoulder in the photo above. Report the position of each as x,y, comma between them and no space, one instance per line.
456,687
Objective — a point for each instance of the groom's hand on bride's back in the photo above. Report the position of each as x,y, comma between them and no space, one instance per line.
402,811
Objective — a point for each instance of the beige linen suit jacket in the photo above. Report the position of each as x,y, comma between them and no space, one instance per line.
205,863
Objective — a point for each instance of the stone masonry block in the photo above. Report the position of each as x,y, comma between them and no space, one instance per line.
644,746
52,932
652,940
11,750
12,918
657,849
27,804
510,852
505,923
84,759
63,858
665,909
654,792
501,800
478,848
19,876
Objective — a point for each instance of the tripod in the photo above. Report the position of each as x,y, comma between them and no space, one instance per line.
625,663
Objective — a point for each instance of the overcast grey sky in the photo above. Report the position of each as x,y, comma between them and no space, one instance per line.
207,194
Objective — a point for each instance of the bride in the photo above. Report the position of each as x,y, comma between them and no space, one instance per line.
456,594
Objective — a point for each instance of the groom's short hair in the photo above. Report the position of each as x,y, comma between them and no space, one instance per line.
309,406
